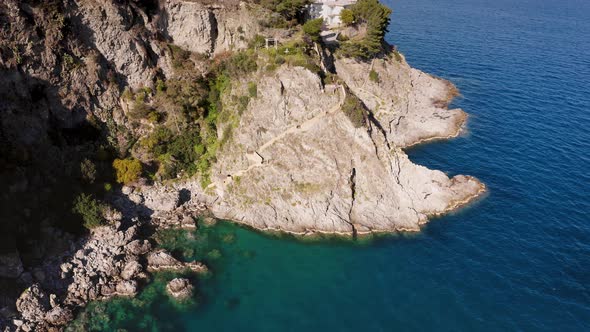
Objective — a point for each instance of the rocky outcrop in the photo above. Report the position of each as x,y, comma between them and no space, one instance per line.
209,28
180,289
33,304
298,164
39,311
410,105
162,260
113,261
103,267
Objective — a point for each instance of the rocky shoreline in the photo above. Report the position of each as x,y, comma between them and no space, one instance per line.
114,260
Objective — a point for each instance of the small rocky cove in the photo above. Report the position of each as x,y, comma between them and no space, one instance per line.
143,118
114,261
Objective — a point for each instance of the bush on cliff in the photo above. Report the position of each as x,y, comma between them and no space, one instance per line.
289,9
90,209
347,17
127,170
355,110
313,28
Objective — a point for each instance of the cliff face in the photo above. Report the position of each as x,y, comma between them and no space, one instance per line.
208,29
298,164
410,105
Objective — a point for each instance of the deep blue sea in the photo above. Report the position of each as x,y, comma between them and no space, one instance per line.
517,260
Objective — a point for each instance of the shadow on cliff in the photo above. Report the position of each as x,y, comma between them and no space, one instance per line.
43,146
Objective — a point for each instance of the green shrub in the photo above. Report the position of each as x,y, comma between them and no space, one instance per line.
88,170
127,170
243,102
180,56
252,90
154,117
241,63
374,76
313,28
257,42
127,94
160,86
289,9
279,60
90,209
347,16
355,110
398,56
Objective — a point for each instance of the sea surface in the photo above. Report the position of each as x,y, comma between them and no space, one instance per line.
516,260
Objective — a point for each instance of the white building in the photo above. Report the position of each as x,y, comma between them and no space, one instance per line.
329,10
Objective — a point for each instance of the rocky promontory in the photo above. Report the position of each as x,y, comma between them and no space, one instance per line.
120,118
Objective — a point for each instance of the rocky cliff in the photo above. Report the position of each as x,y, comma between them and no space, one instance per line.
288,139
298,164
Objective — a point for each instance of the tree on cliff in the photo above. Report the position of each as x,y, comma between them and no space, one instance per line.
376,17
313,28
290,9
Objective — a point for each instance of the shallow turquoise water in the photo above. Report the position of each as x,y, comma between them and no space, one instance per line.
517,260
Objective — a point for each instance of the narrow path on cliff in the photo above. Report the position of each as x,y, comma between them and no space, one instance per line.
257,158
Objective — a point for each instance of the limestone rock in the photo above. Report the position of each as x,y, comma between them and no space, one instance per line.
131,269
161,199
33,304
138,247
180,288
321,173
162,260
207,28
410,105
59,316
126,288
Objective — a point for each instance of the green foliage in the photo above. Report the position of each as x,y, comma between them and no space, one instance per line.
17,55
252,90
374,76
313,28
294,53
127,94
88,170
289,9
90,209
160,86
180,57
127,170
376,16
68,61
154,117
347,17
177,153
239,64
257,42
243,102
355,110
